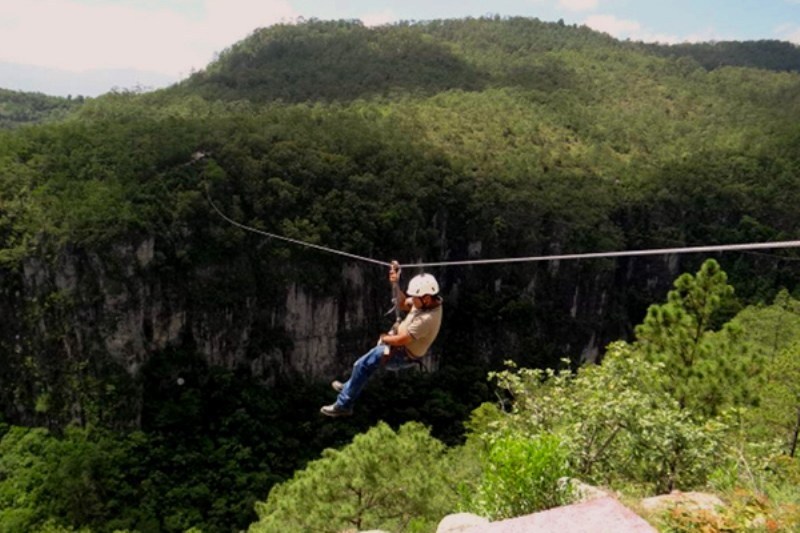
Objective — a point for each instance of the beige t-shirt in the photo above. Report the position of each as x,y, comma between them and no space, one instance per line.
423,326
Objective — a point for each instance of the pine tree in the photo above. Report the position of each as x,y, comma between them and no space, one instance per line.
774,332
384,479
705,370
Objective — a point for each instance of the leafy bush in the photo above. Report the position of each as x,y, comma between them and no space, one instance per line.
520,476
774,332
53,483
616,422
744,511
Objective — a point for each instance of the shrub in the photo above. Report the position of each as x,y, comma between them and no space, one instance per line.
520,476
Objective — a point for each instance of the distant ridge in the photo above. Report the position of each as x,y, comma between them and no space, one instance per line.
18,108
765,54
345,60
56,82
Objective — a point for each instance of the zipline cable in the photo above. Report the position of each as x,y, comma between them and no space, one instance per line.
530,259
293,241
599,255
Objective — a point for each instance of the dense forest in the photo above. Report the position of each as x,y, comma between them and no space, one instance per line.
18,108
162,369
771,55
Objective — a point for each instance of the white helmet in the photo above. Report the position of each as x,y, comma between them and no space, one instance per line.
422,285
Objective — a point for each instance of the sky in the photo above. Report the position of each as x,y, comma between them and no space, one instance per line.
89,47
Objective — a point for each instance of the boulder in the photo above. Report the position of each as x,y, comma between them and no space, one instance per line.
583,492
460,522
600,515
687,500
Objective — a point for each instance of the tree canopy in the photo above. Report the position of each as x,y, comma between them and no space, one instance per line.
150,345
18,108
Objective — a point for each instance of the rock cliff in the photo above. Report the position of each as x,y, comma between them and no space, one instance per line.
108,312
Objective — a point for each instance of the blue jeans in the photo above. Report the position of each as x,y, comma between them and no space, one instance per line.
366,365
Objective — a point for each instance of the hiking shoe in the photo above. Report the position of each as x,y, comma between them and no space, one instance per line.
335,410
337,385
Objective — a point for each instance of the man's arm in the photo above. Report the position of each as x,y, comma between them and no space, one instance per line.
401,339
400,298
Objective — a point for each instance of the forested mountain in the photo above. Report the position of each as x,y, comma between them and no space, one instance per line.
344,60
770,55
169,341
17,108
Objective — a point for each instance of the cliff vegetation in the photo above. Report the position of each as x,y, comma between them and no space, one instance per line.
162,370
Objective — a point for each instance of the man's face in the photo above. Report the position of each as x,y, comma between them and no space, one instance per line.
422,301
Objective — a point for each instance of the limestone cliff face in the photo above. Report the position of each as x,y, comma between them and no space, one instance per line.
120,307
312,324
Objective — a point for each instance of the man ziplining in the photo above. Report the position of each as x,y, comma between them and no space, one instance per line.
404,346
407,345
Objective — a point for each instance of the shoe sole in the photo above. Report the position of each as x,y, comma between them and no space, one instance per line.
336,414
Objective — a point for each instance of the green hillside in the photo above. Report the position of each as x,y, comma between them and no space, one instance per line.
168,367
344,60
516,105
766,54
18,108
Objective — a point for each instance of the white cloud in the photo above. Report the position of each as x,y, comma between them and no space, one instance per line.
76,36
612,25
633,30
230,20
789,32
578,5
378,19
